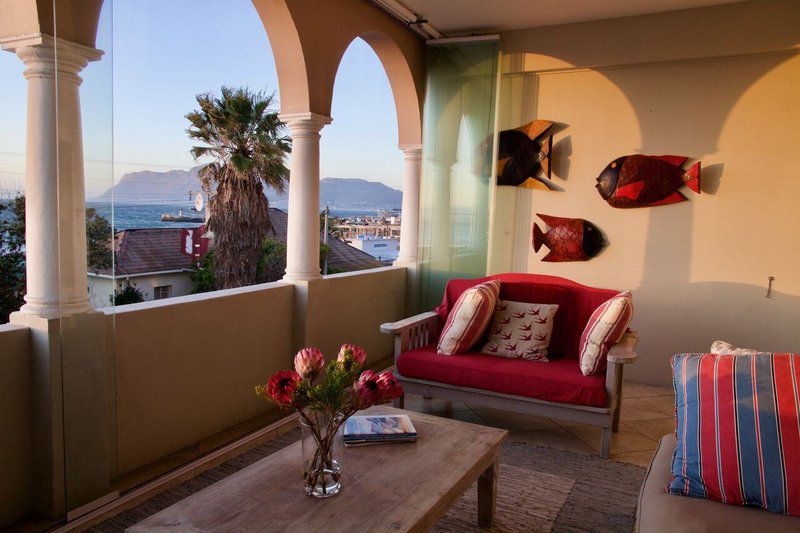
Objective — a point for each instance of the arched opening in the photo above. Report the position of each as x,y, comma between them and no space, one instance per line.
361,165
160,65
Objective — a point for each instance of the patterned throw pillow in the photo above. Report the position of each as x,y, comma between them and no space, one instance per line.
605,328
726,348
738,429
468,318
520,330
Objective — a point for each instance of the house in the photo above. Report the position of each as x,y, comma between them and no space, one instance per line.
151,259
104,406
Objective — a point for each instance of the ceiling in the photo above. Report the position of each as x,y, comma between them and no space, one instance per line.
461,17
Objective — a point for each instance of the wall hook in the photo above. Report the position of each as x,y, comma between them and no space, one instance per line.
769,286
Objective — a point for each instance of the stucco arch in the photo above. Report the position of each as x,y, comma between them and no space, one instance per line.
290,60
309,40
77,19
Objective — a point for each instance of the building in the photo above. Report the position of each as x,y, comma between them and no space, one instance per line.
381,248
152,259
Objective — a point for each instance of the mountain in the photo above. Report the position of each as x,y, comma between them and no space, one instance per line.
355,193
147,187
174,186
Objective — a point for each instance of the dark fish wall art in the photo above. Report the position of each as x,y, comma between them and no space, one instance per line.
647,180
568,239
523,155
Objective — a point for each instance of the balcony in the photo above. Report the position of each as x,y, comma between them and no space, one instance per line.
102,407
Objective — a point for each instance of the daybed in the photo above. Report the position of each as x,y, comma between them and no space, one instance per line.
555,389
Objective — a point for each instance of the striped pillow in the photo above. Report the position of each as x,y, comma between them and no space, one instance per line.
605,328
468,318
738,429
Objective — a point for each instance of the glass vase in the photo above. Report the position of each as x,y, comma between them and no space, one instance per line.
321,472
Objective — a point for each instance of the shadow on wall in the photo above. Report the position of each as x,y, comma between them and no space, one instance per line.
681,109
697,313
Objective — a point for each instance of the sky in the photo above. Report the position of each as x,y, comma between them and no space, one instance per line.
158,56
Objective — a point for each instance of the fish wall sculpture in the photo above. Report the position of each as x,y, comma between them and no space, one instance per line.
645,180
523,155
568,239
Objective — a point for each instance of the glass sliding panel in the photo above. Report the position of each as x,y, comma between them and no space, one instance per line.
84,171
458,143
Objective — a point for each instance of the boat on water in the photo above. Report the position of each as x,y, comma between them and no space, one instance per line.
181,217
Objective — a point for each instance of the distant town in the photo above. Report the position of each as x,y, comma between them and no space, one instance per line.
160,238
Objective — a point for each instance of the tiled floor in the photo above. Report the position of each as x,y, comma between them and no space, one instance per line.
647,415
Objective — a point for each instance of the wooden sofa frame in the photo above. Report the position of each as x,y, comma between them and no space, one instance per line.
423,329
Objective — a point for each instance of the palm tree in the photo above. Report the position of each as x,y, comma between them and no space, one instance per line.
244,138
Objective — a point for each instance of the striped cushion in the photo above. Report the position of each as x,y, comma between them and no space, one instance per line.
468,318
605,328
738,429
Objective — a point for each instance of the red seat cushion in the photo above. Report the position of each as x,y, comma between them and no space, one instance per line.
559,380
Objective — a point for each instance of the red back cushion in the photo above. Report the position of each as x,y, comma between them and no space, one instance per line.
576,303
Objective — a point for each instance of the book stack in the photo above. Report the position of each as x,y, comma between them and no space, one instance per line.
375,429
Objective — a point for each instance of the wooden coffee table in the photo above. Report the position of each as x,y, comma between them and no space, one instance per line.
386,487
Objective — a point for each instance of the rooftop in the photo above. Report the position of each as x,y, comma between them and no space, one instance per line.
140,251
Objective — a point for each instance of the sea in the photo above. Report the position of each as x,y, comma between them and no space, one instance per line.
131,216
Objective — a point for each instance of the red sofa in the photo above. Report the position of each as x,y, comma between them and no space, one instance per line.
555,389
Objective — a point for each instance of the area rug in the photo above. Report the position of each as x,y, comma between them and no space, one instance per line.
539,489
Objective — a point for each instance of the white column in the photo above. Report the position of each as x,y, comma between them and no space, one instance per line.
409,222
441,169
55,234
302,233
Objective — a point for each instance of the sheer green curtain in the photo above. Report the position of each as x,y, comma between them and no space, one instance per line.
458,144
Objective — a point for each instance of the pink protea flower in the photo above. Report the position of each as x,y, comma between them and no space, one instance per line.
366,391
351,356
280,387
308,362
389,386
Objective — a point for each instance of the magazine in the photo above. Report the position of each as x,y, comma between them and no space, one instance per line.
373,429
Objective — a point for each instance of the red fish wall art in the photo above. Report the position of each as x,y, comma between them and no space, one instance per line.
647,180
569,239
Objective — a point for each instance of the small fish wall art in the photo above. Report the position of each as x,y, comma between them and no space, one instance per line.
523,155
646,180
568,239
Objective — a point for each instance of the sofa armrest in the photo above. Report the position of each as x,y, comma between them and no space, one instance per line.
400,325
413,332
623,352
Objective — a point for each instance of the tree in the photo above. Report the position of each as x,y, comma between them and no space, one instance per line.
244,138
12,256
129,293
12,251
98,240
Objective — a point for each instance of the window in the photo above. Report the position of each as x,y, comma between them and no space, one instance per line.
380,245
159,293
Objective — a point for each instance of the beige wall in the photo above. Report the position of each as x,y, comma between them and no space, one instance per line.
349,308
16,459
721,85
185,368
